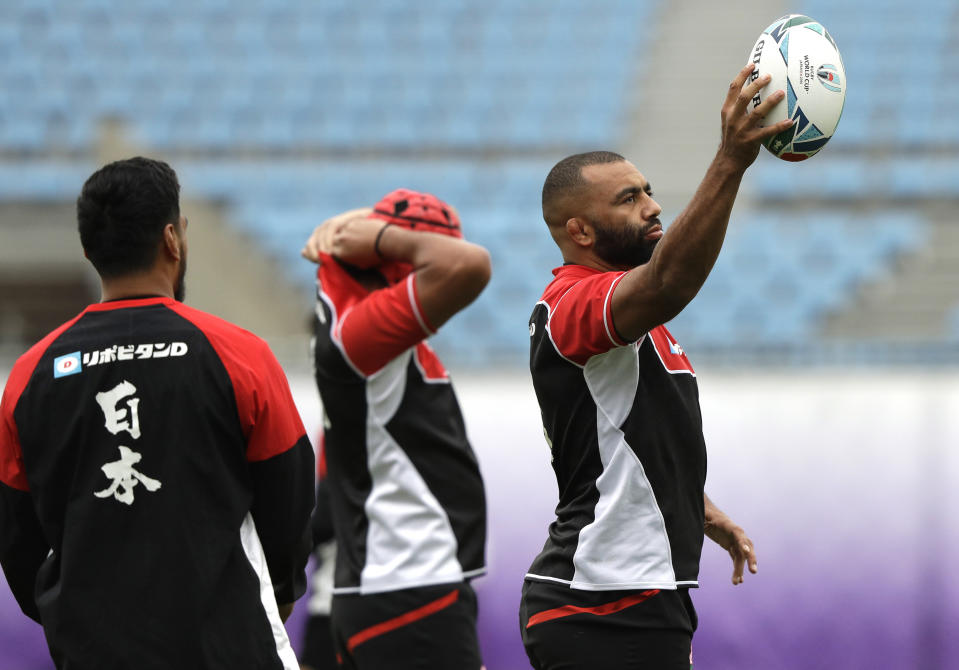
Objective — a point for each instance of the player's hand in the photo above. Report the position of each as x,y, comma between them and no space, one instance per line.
741,133
354,241
321,240
734,540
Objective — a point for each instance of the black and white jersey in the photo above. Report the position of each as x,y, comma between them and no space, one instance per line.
625,431
156,485
406,493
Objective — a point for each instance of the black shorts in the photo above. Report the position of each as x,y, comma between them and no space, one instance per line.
412,629
318,652
606,630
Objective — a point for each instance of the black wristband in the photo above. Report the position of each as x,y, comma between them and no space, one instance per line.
376,244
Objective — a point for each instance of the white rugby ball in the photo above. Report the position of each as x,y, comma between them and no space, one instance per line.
804,61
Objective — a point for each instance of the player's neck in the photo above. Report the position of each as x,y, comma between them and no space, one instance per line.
136,286
591,260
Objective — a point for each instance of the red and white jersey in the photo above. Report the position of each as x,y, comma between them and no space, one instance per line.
156,486
405,488
625,431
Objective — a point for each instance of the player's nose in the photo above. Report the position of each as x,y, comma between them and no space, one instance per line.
652,209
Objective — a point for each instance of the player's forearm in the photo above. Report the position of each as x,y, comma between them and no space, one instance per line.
687,252
657,291
462,272
432,254
715,518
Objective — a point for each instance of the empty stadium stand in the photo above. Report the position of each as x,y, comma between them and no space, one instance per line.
287,112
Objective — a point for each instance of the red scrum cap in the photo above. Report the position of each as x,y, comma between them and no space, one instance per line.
417,211
421,212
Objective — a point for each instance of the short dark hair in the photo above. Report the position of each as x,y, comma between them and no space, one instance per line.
122,211
567,176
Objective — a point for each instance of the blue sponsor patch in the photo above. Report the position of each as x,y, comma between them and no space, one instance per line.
68,364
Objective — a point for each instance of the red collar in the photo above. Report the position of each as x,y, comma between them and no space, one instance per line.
129,302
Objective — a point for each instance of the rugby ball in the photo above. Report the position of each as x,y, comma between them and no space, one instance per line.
804,61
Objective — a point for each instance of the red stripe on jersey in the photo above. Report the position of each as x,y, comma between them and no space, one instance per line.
267,414
132,302
599,610
670,353
429,363
12,472
426,610
580,302
321,456
372,328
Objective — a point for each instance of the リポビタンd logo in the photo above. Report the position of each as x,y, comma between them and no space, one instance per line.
68,364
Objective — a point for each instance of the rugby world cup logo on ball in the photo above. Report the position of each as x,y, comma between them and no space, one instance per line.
829,77
797,52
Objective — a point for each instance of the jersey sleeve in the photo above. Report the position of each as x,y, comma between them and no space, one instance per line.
282,469
23,547
283,490
383,325
12,472
581,322
269,416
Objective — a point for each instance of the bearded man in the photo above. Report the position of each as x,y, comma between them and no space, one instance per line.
620,408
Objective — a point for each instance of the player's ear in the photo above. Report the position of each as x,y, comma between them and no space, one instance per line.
171,241
580,231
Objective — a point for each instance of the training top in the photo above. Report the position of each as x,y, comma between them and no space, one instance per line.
405,488
156,485
624,427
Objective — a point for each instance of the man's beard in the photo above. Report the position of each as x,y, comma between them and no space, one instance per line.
179,289
623,246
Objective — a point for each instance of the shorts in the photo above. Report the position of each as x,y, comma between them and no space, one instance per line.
318,652
564,628
411,629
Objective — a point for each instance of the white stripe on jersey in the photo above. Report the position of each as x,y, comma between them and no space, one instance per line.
411,293
410,541
666,586
254,554
626,544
